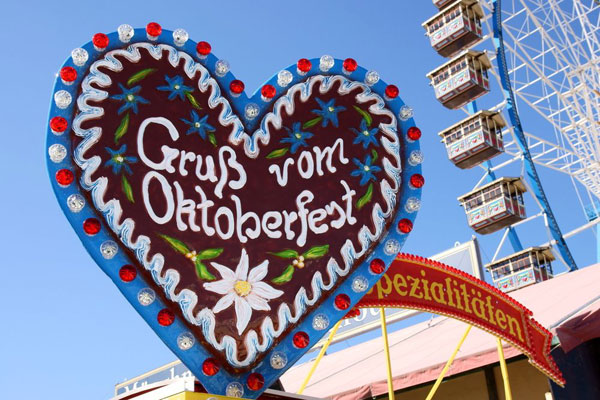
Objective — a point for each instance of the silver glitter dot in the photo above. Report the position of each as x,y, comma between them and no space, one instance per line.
251,111
234,389
221,67
320,322
185,341
57,152
412,205
326,63
109,249
125,33
371,78
278,360
416,157
79,56
146,296
62,98
180,36
405,113
75,202
284,78
360,284
392,247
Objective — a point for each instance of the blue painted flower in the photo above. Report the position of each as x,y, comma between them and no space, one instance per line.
296,137
329,112
365,170
365,135
118,160
176,87
131,98
198,125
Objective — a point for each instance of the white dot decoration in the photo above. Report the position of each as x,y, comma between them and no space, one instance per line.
371,78
79,56
57,152
278,360
405,113
251,111
416,157
62,99
326,63
185,341
109,249
320,322
180,36
75,202
360,284
413,204
391,247
146,296
125,33
221,67
234,389
284,78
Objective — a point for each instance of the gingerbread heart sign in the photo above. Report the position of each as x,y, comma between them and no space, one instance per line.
240,228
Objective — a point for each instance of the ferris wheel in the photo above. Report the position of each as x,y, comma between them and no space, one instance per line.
504,57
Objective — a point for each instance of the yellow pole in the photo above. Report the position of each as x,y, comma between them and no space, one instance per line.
320,356
440,378
386,347
507,392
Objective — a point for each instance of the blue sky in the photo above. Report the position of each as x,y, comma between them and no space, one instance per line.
66,331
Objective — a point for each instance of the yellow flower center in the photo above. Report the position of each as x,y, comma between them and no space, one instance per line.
176,87
331,109
197,124
130,97
298,136
367,168
242,288
119,159
366,133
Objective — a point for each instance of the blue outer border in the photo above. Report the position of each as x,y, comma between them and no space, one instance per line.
194,357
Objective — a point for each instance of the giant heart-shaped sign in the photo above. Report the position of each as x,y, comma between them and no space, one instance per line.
240,228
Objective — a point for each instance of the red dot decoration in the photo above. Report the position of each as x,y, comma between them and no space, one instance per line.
377,266
210,367
100,40
413,133
304,65
392,91
58,124
268,91
342,301
255,381
91,226
301,339
203,48
350,64
64,177
153,29
405,225
68,74
165,317
127,273
236,86
417,181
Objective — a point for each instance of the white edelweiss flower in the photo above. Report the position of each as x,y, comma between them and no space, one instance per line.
244,289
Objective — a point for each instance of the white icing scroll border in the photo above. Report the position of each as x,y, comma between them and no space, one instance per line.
187,299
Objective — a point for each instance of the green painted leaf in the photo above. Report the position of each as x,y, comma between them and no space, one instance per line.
212,139
138,76
203,272
375,156
193,100
312,122
278,153
360,203
177,245
365,115
126,186
316,252
209,254
122,129
286,254
285,277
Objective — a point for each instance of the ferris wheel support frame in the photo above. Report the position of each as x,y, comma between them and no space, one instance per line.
529,166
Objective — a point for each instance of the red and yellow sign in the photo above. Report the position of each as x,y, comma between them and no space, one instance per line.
427,285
